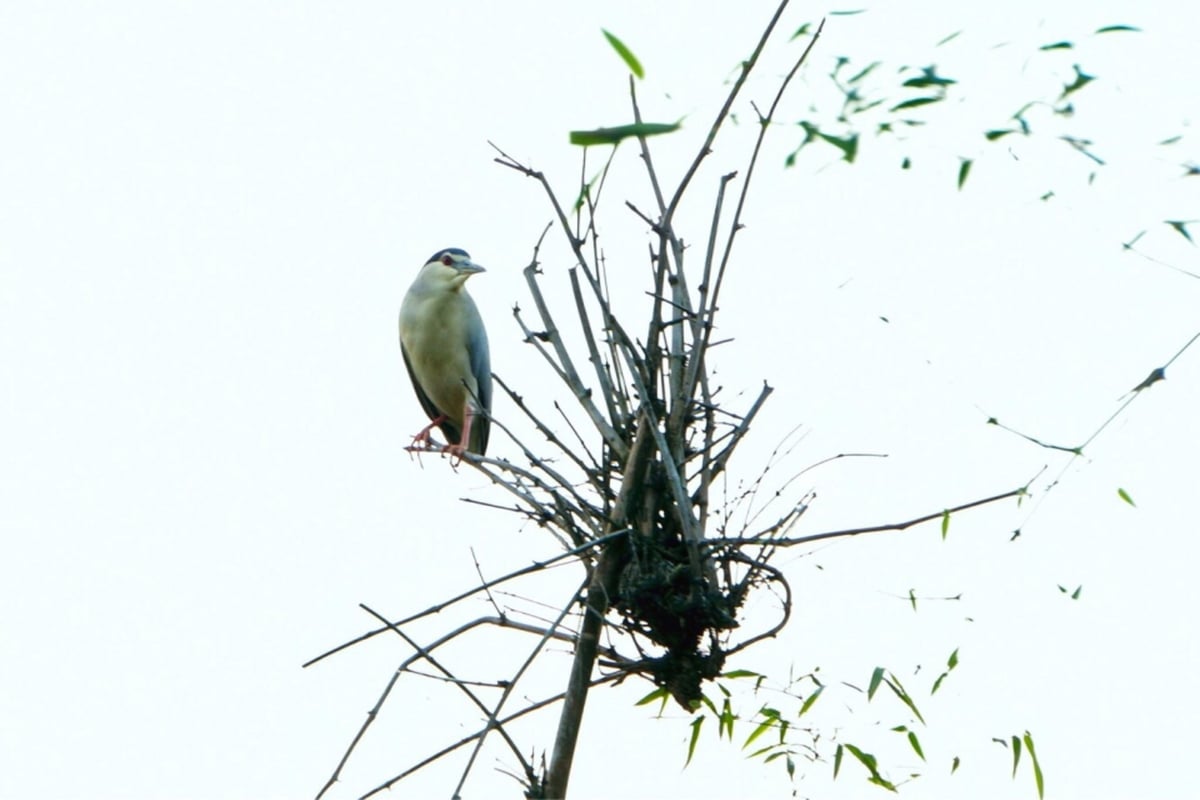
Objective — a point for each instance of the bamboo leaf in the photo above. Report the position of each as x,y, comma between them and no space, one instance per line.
727,718
1116,28
1082,79
1181,227
1016,748
928,77
740,673
872,764
615,134
864,72
1037,767
876,679
808,702
916,745
696,723
626,54
660,694
963,170
898,689
762,728
1124,495
915,102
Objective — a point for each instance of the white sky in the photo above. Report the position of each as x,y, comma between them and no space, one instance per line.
210,214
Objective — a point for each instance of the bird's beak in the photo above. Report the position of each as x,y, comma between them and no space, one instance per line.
468,268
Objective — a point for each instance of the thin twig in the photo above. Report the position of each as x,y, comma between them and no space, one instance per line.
536,566
891,526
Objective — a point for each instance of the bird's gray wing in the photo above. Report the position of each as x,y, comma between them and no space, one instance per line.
449,429
481,369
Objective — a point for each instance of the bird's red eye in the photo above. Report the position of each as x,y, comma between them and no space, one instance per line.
447,260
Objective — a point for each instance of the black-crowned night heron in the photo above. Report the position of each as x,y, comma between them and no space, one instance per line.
445,349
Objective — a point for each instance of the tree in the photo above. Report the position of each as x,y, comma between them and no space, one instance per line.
633,499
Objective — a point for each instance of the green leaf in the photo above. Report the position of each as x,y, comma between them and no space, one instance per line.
894,684
657,694
726,719
615,134
1124,495
1116,28
625,53
740,673
949,38
871,763
954,765
801,31
848,146
876,679
1037,768
992,136
660,694
916,745
696,723
866,759
964,169
761,750
912,598
927,78
847,13
952,662
864,72
1082,79
1181,227
1057,46
837,761
770,717
762,728
916,102
906,163
946,514
810,700
938,683
1078,591
1016,747
791,767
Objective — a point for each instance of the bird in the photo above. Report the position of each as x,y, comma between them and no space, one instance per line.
445,349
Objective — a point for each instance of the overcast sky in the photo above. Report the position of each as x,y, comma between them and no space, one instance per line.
210,213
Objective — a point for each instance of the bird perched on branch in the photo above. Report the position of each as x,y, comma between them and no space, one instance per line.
445,349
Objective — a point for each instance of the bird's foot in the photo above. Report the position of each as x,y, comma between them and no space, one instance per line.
423,440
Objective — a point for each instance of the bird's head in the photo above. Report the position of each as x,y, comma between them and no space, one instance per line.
450,267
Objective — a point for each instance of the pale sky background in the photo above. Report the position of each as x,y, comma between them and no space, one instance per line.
210,213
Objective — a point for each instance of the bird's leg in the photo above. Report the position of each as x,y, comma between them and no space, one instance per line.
457,450
423,438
